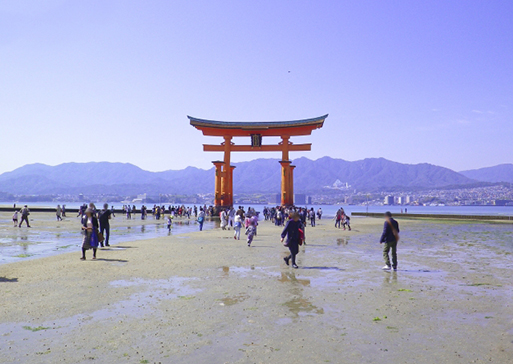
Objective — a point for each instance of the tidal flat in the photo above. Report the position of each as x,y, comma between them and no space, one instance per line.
203,297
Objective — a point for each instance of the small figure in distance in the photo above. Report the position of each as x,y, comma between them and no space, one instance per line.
58,213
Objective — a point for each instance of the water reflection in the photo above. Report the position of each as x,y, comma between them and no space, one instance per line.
40,242
343,241
298,304
390,278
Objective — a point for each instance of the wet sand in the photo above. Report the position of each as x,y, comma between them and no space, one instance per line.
206,298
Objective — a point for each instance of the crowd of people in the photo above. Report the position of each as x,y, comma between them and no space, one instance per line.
95,224
294,221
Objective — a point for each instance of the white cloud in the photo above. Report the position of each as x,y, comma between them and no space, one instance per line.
477,111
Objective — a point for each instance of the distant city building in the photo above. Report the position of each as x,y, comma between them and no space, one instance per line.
299,199
503,202
401,200
389,200
409,199
309,200
339,185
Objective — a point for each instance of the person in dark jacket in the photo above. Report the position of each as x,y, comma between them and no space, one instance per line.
293,234
105,216
90,229
390,237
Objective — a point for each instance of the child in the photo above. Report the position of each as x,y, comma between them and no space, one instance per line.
15,218
169,222
250,232
347,222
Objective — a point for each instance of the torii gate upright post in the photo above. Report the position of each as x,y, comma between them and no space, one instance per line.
255,130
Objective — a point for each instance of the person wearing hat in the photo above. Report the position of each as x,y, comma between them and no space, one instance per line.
390,237
90,230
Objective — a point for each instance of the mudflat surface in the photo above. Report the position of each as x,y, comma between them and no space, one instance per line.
203,297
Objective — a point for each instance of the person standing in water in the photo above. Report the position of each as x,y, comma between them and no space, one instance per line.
390,237
90,229
294,231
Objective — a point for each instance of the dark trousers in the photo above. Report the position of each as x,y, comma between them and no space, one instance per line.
106,236
386,249
24,218
337,224
292,257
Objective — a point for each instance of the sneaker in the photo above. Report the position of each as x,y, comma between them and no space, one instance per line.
386,267
395,269
295,266
286,261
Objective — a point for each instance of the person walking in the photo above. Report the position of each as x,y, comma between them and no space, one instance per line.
294,231
58,213
201,218
237,226
105,216
311,215
224,219
231,217
390,237
15,218
25,212
347,223
90,230
338,218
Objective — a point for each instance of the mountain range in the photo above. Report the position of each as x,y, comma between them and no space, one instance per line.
257,176
499,173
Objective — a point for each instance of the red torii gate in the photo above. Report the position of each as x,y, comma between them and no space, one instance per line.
256,131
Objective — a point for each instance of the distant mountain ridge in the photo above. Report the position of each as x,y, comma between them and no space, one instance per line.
257,176
499,173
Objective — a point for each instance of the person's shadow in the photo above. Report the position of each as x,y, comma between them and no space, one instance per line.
7,280
112,260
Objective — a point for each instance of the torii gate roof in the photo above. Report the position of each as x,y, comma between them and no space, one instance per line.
265,128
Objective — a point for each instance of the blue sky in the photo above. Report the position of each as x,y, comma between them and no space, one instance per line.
410,81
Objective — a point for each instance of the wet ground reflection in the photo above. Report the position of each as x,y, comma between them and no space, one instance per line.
17,244
298,304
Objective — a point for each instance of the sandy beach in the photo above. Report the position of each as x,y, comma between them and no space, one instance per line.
203,297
